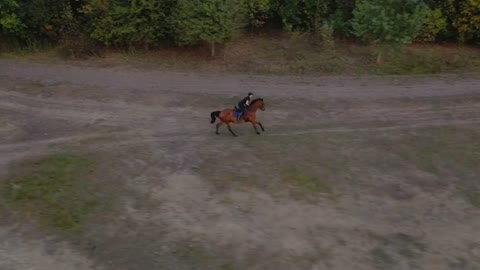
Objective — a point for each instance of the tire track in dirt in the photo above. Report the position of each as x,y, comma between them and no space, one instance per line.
81,110
149,124
19,150
98,142
143,116
386,128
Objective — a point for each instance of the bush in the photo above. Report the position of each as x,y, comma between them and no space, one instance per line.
388,21
323,37
341,27
10,23
74,42
208,21
300,15
433,24
341,14
132,23
257,12
468,21
43,18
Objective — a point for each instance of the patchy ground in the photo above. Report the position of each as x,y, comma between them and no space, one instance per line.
351,173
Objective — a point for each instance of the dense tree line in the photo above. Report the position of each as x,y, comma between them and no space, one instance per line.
150,23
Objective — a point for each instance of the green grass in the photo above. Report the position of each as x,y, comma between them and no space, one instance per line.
397,164
200,255
297,55
472,196
458,147
308,182
38,85
56,190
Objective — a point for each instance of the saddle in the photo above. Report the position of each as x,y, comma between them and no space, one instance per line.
237,112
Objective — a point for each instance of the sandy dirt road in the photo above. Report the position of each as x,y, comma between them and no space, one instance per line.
191,200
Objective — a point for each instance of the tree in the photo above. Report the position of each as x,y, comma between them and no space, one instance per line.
300,15
132,23
450,11
43,18
433,24
10,23
388,21
257,12
212,21
340,16
468,21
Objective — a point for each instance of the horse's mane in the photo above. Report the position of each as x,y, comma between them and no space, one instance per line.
255,100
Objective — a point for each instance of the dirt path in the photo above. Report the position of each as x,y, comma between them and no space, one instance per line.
193,200
317,88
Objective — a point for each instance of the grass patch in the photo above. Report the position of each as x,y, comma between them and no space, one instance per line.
472,196
394,247
434,156
55,190
458,147
428,59
307,182
199,255
38,85
381,258
280,53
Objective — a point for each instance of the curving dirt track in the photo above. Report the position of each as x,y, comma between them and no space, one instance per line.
395,153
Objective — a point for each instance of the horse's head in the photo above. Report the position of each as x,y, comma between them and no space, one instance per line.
258,104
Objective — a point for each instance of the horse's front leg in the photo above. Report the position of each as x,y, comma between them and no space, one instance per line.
260,124
255,127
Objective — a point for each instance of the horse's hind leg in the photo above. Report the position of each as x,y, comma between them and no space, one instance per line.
217,127
231,131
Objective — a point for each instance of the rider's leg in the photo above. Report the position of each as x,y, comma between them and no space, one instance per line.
241,112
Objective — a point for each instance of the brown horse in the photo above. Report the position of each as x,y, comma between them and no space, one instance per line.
227,116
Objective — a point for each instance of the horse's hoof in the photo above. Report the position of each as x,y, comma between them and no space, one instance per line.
258,133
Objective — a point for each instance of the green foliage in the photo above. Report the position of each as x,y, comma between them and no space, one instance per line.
449,12
132,23
300,15
433,24
388,21
340,16
462,18
74,41
308,183
468,21
341,26
257,12
10,22
79,24
472,196
212,21
43,18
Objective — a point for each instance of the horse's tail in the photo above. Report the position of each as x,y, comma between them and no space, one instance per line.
213,115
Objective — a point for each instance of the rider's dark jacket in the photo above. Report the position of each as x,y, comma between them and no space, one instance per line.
243,103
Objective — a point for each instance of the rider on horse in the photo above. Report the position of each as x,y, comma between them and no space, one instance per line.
243,105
